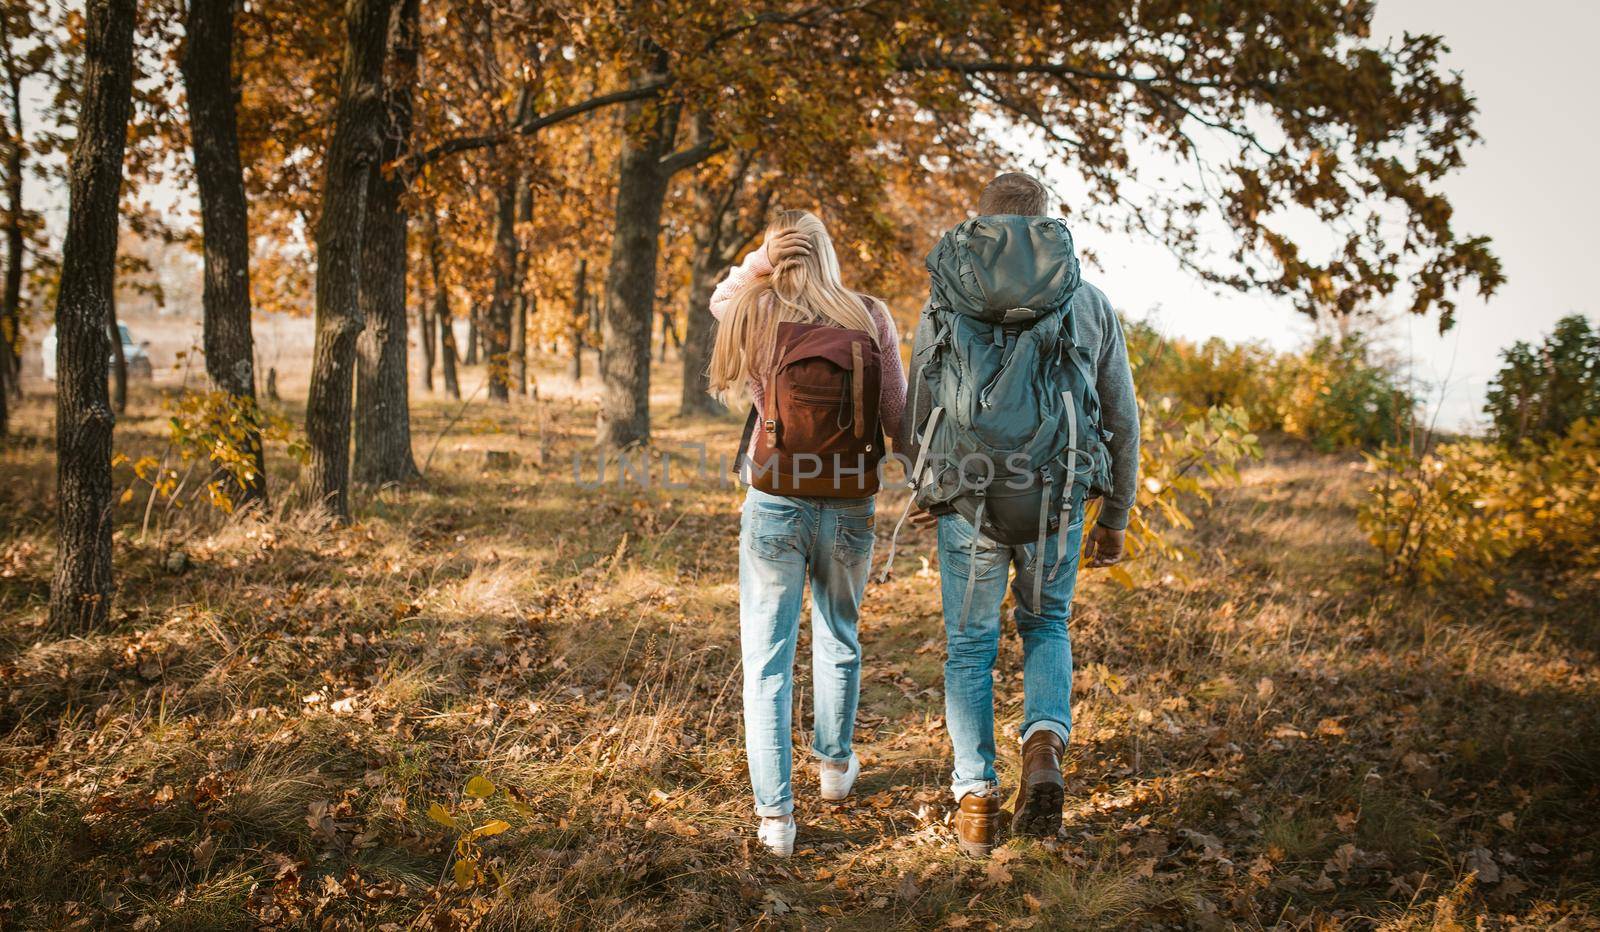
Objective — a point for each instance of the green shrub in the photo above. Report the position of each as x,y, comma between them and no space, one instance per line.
1335,394
1540,392
1466,506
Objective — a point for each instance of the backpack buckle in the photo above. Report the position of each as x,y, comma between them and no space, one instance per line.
770,426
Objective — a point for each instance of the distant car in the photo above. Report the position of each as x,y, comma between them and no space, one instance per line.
137,355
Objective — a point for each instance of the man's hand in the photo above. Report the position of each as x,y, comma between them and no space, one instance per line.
787,245
923,518
1104,545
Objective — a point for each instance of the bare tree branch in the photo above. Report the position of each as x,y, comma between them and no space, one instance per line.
412,164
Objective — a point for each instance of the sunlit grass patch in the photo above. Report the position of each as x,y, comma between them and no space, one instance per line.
1267,740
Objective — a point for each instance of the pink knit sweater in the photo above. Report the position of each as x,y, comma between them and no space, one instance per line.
892,395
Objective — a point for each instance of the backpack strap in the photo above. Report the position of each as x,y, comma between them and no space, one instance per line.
744,443
1071,481
916,470
972,562
858,389
1091,394
920,376
1038,550
770,423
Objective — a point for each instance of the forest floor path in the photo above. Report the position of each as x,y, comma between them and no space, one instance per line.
1266,733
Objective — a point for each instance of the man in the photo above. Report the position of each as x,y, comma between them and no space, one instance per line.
973,567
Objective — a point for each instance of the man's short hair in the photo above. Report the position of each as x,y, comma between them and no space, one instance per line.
1014,193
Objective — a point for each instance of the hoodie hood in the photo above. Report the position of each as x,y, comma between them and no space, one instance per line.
1004,269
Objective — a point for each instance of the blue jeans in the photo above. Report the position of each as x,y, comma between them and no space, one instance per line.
782,541
971,651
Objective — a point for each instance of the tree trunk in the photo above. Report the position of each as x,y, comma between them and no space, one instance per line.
669,335
430,338
447,344
80,594
383,387
5,377
207,66
16,247
11,302
523,302
352,152
580,298
524,297
441,309
700,331
383,403
474,335
718,235
119,359
501,312
642,185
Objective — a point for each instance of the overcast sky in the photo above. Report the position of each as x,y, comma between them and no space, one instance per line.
1530,185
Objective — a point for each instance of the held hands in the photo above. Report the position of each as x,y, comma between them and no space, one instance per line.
786,246
1103,546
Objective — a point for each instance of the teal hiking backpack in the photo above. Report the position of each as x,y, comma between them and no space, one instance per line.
1006,430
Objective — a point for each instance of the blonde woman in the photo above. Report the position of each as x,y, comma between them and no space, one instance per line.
786,290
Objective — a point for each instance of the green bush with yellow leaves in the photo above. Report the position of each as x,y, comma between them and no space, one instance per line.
1335,394
1457,511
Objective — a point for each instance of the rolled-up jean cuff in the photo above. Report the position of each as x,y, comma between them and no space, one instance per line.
832,760
1045,724
961,789
773,812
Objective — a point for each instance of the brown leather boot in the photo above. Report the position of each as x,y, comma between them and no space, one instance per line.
978,823
1039,798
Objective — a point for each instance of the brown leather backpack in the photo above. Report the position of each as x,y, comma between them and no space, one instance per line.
821,436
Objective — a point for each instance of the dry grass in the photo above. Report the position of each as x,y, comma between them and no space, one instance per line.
1266,739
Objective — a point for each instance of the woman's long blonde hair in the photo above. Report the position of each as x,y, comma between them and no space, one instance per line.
804,290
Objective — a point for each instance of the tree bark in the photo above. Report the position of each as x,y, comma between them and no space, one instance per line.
700,331
474,335
11,302
383,392
430,337
719,236
669,336
642,184
447,345
16,247
352,153
523,297
119,359
523,302
80,594
441,308
207,66
498,331
580,299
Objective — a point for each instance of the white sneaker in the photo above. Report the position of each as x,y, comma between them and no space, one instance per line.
777,834
836,784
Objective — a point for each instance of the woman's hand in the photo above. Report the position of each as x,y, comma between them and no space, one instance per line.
786,245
